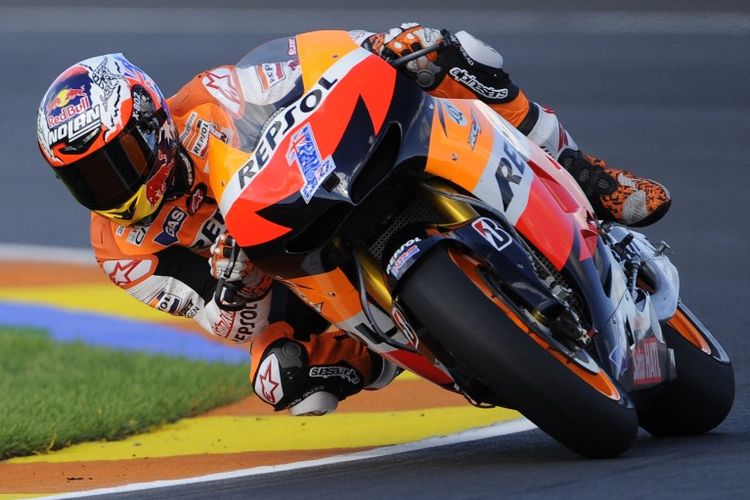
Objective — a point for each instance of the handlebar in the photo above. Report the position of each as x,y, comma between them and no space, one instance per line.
225,294
397,63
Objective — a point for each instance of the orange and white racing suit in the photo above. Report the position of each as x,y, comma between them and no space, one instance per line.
295,362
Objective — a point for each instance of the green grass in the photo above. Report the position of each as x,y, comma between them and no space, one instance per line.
56,394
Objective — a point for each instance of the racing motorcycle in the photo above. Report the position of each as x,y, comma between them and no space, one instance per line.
434,232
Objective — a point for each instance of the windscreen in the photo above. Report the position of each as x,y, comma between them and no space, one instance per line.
270,76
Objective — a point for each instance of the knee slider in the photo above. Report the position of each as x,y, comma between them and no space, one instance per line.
285,379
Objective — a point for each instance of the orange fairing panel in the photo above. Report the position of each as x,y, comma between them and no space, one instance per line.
461,142
224,161
318,50
331,294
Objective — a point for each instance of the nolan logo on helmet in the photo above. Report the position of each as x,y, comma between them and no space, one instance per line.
85,121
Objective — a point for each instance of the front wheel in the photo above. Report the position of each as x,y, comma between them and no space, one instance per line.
586,411
701,396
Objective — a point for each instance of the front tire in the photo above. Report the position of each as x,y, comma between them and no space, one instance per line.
700,398
589,414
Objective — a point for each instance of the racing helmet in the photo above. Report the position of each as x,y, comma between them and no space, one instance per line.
104,128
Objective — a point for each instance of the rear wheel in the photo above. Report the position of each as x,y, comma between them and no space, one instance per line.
701,396
583,409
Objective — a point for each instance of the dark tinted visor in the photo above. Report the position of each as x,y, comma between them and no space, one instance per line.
112,175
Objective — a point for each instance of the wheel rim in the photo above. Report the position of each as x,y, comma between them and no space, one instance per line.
682,325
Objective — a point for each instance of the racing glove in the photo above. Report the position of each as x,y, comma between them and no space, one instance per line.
230,264
463,67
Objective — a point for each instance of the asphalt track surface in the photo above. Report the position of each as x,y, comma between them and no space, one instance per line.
662,93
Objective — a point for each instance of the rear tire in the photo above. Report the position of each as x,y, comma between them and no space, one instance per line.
700,397
466,322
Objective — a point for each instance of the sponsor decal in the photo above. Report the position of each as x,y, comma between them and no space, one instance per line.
171,227
248,318
209,232
268,381
456,115
68,103
223,326
278,129
139,103
304,151
401,256
124,272
399,319
269,75
292,49
348,374
76,126
191,310
508,172
196,199
221,83
224,135
199,146
492,232
63,98
646,367
467,79
137,234
188,130
167,302
156,186
474,132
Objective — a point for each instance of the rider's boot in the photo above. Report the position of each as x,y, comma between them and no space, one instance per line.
309,375
616,195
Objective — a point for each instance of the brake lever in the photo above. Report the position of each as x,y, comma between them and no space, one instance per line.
397,63
225,294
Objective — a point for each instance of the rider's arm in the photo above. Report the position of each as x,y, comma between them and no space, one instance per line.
467,68
179,281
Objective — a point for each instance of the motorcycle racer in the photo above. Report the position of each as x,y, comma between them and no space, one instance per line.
139,162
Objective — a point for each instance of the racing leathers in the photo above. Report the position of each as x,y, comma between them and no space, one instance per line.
173,261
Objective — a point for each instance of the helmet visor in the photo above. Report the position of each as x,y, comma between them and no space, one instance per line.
112,175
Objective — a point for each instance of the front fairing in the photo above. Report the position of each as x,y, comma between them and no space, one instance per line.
288,183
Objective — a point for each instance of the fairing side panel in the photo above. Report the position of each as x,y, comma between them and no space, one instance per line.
505,170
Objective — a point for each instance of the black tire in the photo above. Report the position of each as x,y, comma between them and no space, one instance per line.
469,325
700,397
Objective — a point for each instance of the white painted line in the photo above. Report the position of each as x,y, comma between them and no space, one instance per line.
265,22
501,429
39,253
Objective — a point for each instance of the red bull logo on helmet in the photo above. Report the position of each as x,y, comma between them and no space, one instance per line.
63,97
64,102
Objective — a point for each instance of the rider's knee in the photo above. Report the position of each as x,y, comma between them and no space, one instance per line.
310,376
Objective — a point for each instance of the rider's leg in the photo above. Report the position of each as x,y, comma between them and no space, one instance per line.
469,68
309,376
299,363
